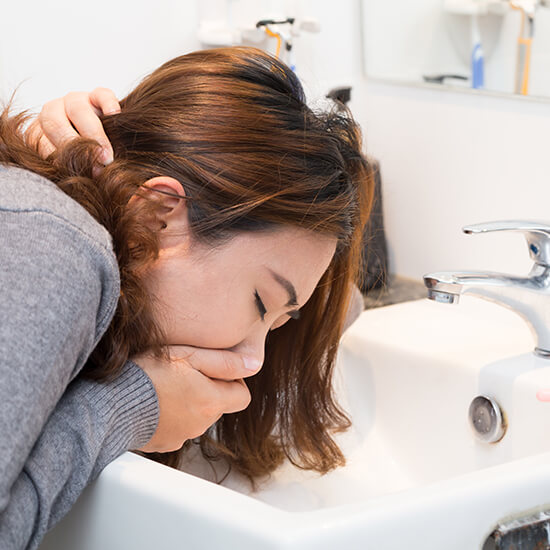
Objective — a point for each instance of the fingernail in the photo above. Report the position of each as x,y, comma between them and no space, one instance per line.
252,364
543,395
112,112
106,156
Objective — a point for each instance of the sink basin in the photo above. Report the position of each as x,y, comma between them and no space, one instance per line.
416,477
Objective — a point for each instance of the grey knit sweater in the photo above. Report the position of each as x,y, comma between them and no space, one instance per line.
59,286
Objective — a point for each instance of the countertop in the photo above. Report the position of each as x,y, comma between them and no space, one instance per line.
399,289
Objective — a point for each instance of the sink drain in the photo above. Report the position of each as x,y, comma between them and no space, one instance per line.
486,419
524,533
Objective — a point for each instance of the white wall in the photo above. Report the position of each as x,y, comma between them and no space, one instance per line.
448,159
62,45
451,159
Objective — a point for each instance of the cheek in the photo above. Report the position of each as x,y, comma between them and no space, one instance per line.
211,331
205,321
209,307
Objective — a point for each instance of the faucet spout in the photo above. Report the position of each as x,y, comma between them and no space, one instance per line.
528,296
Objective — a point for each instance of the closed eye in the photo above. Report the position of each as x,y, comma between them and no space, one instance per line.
260,305
293,313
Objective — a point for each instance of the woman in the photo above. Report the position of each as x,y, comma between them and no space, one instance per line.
225,236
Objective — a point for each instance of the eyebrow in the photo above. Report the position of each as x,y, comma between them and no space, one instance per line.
288,286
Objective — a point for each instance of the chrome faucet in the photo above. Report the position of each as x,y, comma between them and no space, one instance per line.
527,296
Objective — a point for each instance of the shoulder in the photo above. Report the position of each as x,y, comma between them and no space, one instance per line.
46,236
24,191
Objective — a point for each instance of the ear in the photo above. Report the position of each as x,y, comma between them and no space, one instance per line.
173,212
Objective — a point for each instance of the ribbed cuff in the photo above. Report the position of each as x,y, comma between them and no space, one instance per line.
128,408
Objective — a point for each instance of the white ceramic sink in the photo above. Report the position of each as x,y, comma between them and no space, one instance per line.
416,478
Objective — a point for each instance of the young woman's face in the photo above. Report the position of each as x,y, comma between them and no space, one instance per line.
230,297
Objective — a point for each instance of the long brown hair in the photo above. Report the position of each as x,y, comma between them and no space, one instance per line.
232,125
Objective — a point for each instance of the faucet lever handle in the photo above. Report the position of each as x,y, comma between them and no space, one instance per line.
537,235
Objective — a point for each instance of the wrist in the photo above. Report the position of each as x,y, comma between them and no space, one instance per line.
127,407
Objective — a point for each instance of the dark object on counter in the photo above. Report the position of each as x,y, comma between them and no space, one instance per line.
398,289
343,95
527,533
265,22
375,250
440,78
374,272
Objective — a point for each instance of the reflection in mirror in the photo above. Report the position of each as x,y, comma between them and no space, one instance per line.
494,45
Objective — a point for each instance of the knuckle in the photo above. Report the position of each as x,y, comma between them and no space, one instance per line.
53,129
189,355
48,107
75,106
72,96
100,90
198,431
170,448
243,397
246,398
106,99
183,364
45,108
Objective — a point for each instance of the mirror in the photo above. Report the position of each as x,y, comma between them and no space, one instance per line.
493,46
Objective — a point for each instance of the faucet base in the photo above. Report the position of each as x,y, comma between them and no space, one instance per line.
544,353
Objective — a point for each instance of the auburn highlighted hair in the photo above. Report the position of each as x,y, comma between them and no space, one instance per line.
232,125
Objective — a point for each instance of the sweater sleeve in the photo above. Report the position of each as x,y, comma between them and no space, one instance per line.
92,424
57,296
